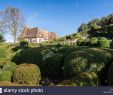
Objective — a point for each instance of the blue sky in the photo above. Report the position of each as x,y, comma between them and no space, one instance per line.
60,16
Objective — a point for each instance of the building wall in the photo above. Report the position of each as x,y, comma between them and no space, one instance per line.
40,40
37,35
35,40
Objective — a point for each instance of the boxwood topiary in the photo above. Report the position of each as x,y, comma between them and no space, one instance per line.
86,79
94,41
28,74
104,43
10,66
53,66
6,76
23,44
85,61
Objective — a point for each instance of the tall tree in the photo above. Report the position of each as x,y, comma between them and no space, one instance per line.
13,22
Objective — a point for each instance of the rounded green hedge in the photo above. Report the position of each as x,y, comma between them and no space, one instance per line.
10,66
86,79
6,76
53,66
104,43
85,61
28,74
94,41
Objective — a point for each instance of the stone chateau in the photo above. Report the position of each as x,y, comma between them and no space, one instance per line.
37,35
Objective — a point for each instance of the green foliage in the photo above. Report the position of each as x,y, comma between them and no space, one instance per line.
9,66
102,38
28,74
94,41
53,66
94,24
24,44
60,39
6,65
87,42
86,79
5,76
77,35
80,42
110,75
85,61
2,52
1,38
104,43
83,28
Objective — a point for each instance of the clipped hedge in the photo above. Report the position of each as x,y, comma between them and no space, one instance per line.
23,44
104,43
27,74
86,79
85,61
94,41
53,66
9,66
2,52
6,76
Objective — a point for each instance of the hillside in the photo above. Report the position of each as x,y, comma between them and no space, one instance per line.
84,58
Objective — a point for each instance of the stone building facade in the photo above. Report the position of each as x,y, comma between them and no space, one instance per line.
37,35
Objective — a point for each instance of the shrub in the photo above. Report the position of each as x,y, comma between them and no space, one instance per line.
94,41
86,79
104,43
28,74
53,66
23,44
87,42
10,66
5,76
2,38
2,52
110,75
77,35
85,61
61,39
80,42
102,38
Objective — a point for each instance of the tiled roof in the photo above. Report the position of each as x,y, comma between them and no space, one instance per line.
37,33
